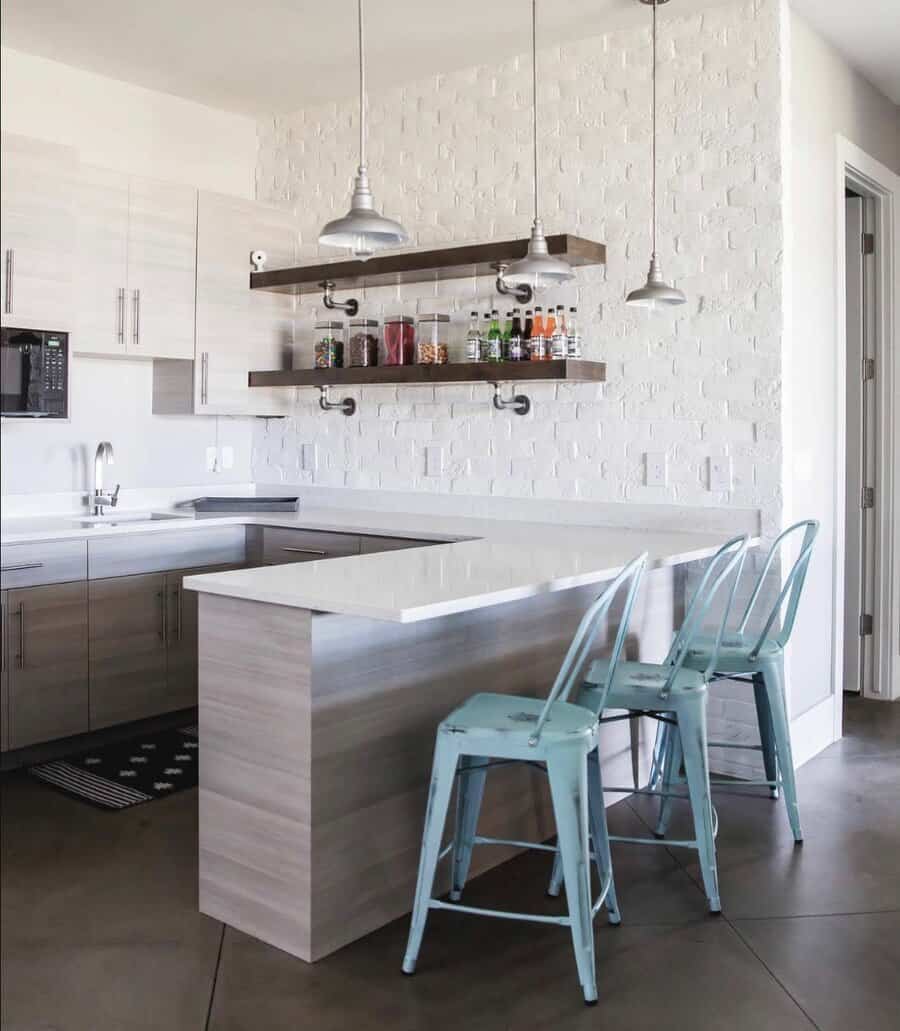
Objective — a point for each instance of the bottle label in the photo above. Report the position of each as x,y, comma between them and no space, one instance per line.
473,349
574,346
515,349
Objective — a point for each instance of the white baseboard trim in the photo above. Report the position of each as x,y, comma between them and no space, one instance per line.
813,730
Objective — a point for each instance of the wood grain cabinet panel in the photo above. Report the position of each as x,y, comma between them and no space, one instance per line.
372,545
281,546
37,234
4,678
128,619
47,660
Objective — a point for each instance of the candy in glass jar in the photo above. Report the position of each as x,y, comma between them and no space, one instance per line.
329,347
432,347
362,347
399,340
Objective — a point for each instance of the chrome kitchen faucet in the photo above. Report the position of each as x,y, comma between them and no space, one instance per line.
101,500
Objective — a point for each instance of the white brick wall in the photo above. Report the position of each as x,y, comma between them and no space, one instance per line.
449,156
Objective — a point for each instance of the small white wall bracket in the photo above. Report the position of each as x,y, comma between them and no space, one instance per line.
519,403
346,405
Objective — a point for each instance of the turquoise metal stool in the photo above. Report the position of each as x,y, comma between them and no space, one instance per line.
757,659
676,696
490,729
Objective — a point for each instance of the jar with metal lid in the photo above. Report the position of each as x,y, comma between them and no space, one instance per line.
362,347
399,340
329,347
432,346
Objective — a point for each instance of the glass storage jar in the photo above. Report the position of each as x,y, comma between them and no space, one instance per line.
399,340
362,347
329,349
432,346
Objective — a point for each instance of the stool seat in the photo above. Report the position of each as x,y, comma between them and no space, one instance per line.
733,655
637,683
514,716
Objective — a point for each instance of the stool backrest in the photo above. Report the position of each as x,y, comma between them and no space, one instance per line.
571,672
723,568
791,589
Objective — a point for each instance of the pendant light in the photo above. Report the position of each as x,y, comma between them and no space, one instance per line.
538,268
656,292
362,230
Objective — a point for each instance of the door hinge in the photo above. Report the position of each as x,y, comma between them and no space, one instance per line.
866,625
868,498
868,368
868,243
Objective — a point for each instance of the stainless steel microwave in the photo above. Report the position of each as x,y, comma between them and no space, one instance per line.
34,374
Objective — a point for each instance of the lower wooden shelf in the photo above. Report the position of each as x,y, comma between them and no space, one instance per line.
572,370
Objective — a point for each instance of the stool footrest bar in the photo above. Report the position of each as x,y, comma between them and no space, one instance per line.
537,918
478,839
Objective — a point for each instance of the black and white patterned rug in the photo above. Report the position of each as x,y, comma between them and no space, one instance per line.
127,773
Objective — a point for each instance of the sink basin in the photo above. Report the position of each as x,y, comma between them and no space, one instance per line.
126,517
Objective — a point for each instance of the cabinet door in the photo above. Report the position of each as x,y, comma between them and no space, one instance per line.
37,234
101,323
47,632
4,678
128,648
181,677
162,247
238,331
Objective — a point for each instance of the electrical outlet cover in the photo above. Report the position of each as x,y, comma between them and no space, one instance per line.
227,457
434,460
720,473
211,459
655,472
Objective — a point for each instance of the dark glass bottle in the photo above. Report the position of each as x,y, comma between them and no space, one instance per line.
526,335
515,351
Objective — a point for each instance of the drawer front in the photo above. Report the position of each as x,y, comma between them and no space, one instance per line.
155,552
52,562
371,545
281,546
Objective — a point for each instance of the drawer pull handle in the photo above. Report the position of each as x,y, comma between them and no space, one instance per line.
21,566
20,657
10,273
163,615
178,598
306,551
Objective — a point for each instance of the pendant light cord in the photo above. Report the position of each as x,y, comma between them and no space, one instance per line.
534,123
362,88
652,133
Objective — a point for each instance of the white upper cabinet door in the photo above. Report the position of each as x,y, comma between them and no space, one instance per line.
238,331
37,234
101,323
162,250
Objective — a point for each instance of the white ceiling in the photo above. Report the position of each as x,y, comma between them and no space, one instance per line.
866,32
278,55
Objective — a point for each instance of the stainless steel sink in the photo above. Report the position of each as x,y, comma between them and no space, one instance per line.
95,522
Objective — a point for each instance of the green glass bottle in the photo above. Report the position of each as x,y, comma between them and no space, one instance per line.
495,339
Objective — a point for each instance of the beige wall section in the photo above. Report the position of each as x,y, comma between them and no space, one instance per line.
826,99
116,125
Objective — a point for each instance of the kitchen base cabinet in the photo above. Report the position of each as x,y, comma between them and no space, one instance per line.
128,617
47,662
4,678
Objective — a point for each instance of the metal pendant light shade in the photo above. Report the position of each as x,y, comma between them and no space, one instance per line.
538,268
656,292
362,230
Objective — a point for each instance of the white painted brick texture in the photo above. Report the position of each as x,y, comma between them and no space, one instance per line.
449,156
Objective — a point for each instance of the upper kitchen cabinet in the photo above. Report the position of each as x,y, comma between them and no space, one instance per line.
235,328
136,266
37,233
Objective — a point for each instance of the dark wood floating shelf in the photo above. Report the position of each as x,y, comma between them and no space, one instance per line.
392,268
569,370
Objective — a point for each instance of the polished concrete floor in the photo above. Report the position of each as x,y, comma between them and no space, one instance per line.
100,929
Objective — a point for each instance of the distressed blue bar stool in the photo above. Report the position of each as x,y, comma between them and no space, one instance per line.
757,659
496,728
675,695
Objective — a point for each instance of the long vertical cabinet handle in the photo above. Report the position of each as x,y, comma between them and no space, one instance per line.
163,615
10,273
120,317
178,596
136,319
20,657
204,378
2,639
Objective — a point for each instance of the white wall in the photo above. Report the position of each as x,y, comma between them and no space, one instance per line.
826,98
134,130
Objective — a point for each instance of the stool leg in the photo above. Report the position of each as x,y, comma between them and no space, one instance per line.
766,732
469,791
671,770
600,838
692,731
657,759
567,769
556,874
442,775
774,685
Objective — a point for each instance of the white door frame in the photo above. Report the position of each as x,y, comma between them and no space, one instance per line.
873,179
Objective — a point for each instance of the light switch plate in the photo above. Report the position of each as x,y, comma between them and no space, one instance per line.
227,457
720,473
655,472
308,458
434,460
211,460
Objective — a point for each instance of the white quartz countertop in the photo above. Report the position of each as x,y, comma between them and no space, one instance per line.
483,562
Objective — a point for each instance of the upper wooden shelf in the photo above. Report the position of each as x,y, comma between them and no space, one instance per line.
573,370
392,268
